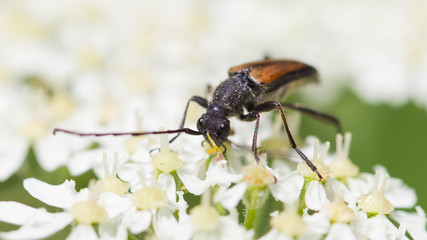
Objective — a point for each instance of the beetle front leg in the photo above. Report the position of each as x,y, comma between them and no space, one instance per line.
201,101
271,105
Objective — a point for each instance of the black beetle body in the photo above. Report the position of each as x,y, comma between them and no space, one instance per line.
255,87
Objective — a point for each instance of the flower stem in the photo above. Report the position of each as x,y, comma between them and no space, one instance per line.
301,202
255,200
251,208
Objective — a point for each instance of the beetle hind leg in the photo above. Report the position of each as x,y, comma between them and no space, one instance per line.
315,114
271,105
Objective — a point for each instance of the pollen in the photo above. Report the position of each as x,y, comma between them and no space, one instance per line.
306,171
289,222
149,198
257,175
340,212
204,216
166,160
342,166
376,202
111,183
90,212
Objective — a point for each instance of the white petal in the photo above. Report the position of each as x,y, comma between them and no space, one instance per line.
109,230
378,227
15,212
163,220
400,195
128,172
231,230
218,174
335,188
83,161
166,182
62,196
137,221
230,197
190,180
273,234
340,231
83,232
39,225
288,188
315,197
281,168
415,223
52,152
114,204
317,224
12,152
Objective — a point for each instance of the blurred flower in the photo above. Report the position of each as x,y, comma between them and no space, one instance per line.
81,207
92,65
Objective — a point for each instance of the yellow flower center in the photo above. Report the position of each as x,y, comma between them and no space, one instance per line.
149,198
205,218
289,222
376,202
305,171
88,212
340,212
257,175
166,160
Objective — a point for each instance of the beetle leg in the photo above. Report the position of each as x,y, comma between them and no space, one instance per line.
271,105
251,116
314,114
201,101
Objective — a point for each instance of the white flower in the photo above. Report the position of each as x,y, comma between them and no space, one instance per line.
218,173
342,167
399,195
204,222
37,223
414,222
154,202
289,183
378,227
315,195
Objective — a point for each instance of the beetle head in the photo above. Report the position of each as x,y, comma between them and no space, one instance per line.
217,127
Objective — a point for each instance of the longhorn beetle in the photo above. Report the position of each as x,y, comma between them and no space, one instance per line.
255,87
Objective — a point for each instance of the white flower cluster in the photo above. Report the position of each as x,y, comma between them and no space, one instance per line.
72,62
150,197
85,65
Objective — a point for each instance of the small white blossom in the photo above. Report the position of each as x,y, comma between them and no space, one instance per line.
80,206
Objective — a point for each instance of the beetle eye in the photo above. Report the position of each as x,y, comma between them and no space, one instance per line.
201,124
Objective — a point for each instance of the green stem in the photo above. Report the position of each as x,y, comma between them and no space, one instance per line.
251,208
301,202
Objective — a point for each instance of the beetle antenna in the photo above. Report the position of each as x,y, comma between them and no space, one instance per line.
181,130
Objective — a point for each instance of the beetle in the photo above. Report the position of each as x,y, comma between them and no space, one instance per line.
250,89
